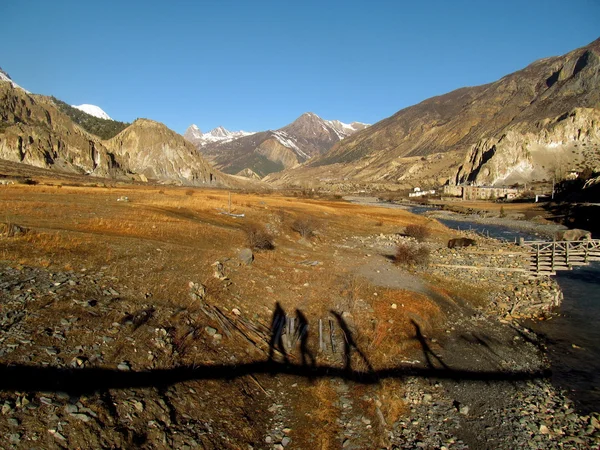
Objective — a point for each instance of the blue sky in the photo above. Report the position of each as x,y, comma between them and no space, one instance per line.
257,65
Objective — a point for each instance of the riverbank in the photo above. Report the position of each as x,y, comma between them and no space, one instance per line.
485,307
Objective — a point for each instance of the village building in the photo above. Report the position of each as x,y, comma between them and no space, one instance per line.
481,192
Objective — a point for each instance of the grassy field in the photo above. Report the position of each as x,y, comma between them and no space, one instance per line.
152,241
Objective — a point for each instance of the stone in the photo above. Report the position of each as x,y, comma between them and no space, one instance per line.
210,331
268,439
246,256
285,441
464,410
13,422
124,366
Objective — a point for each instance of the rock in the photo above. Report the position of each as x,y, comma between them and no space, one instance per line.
218,271
268,439
210,331
15,438
464,410
13,422
11,230
285,441
246,256
71,409
544,429
197,291
236,311
124,366
394,306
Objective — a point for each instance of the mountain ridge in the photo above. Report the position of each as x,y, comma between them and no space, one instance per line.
270,151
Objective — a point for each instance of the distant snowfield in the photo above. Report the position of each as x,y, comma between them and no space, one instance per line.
93,110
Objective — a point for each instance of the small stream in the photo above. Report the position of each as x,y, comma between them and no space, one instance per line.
573,336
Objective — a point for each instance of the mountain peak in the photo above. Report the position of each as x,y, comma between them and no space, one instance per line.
93,110
220,132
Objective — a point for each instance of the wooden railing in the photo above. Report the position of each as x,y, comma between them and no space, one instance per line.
548,257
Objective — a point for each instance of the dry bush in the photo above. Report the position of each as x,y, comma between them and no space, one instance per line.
189,192
258,237
305,226
419,232
411,254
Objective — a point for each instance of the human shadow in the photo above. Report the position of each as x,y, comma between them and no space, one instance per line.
306,356
349,344
278,323
429,355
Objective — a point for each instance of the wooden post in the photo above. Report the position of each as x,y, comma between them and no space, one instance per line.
537,258
553,254
230,203
320,335
587,246
331,335
567,252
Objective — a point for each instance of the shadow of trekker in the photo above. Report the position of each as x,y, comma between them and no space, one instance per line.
349,344
302,335
277,327
427,352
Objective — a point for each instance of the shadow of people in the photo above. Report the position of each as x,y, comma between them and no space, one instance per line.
302,335
277,327
427,352
350,344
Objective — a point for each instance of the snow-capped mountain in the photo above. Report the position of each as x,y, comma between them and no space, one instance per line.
216,135
93,110
5,77
273,150
344,130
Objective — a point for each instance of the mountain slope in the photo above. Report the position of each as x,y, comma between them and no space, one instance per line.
452,136
34,131
153,150
103,128
274,150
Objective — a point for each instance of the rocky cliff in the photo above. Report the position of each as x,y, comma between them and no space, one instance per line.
34,132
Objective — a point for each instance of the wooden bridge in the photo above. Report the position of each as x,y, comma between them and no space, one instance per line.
548,257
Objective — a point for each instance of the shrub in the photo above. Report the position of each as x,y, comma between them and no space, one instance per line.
189,192
419,232
258,237
305,226
411,254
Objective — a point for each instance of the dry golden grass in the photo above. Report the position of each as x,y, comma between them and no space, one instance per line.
162,238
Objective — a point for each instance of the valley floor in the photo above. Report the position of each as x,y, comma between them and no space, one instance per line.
128,320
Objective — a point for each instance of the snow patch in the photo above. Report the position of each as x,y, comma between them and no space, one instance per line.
5,77
93,110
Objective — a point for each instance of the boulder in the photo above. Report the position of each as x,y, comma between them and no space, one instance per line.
573,235
460,242
246,256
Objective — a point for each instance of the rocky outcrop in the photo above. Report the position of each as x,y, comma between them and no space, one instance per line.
34,132
527,152
153,150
